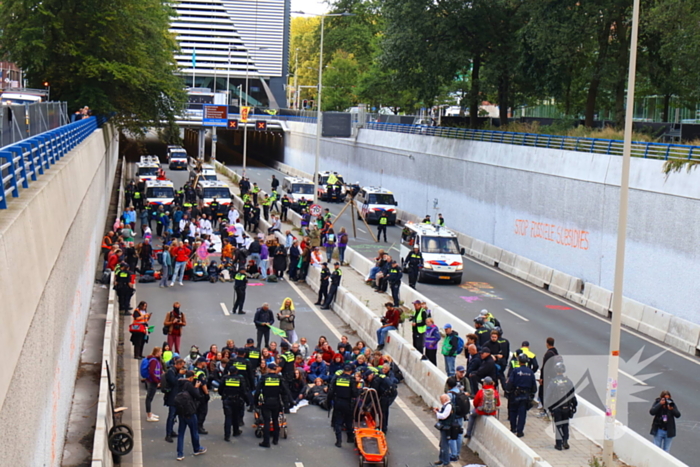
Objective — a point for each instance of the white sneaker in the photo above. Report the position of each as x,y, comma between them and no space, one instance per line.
172,284
181,283
151,419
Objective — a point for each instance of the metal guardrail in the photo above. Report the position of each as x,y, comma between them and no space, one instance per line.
591,145
21,121
22,162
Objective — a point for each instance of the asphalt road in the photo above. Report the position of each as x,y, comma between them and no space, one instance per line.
311,440
530,313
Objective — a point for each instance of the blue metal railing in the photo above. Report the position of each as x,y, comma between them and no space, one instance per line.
572,143
22,162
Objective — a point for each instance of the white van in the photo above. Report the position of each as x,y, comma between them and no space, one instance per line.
322,189
207,190
148,168
442,255
159,192
373,201
177,158
207,172
297,188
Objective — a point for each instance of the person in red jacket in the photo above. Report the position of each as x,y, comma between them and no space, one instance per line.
181,255
486,402
390,322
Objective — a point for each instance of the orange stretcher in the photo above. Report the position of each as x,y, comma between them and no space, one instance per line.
369,437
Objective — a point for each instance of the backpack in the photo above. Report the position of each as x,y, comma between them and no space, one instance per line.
143,371
460,345
461,403
164,385
488,404
184,404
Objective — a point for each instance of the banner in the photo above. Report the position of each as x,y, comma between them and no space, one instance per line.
245,111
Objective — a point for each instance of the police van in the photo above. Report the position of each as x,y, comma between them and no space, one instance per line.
159,192
333,179
373,201
297,188
205,172
177,158
148,168
442,255
207,190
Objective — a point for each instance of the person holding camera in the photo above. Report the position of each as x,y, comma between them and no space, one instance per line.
390,322
665,413
173,324
186,403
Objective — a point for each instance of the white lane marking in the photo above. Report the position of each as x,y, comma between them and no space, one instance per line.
394,248
298,464
402,405
576,306
519,316
636,380
362,230
225,309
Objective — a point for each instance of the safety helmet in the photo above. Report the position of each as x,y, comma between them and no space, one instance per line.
484,312
560,368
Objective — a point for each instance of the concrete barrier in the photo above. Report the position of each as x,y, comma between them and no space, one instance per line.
683,335
522,267
465,241
597,299
562,283
491,254
630,447
632,312
477,249
654,323
495,444
507,263
540,275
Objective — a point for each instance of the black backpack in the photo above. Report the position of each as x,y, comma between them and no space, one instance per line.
184,404
461,403
164,385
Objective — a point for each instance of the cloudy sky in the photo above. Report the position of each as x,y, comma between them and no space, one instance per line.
310,6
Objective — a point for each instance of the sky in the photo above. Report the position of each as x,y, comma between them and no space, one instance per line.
310,6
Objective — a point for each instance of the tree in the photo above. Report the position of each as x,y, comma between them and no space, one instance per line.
339,82
116,57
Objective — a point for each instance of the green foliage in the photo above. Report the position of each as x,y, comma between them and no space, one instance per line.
114,56
340,82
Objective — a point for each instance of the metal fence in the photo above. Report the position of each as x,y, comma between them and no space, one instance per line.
22,121
570,143
21,163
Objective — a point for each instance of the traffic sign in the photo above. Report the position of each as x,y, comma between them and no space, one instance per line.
315,210
261,125
245,111
215,115
232,124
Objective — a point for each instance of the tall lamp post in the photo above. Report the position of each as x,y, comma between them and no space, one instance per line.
245,124
319,118
614,355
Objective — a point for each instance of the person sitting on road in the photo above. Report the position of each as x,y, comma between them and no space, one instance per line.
318,369
318,393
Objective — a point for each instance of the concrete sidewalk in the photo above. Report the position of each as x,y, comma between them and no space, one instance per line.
539,433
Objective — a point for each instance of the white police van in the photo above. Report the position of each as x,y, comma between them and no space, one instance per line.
442,255
322,190
159,192
373,201
297,188
177,158
205,172
148,168
207,190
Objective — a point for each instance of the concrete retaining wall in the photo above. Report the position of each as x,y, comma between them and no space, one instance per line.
49,246
557,208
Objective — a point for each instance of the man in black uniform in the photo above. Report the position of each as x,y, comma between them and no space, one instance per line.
394,280
386,391
323,289
286,204
560,400
247,207
483,334
287,361
239,286
235,394
214,212
254,218
201,374
341,392
124,288
520,389
335,283
271,395
414,263
243,365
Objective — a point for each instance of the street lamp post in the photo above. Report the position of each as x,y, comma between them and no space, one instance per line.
614,355
319,113
245,124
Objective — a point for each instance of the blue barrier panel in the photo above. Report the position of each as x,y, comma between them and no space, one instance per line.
23,161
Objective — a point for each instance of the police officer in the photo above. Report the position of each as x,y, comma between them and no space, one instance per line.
201,374
239,285
426,219
124,288
386,391
482,333
235,394
414,263
254,217
266,202
129,193
247,206
441,220
323,289
524,350
419,326
394,279
341,392
243,365
560,400
503,359
214,212
520,389
336,275
286,204
287,361
271,395
383,221
254,191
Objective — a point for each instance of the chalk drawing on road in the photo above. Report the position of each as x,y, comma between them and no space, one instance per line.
256,283
558,307
481,289
471,299
239,321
